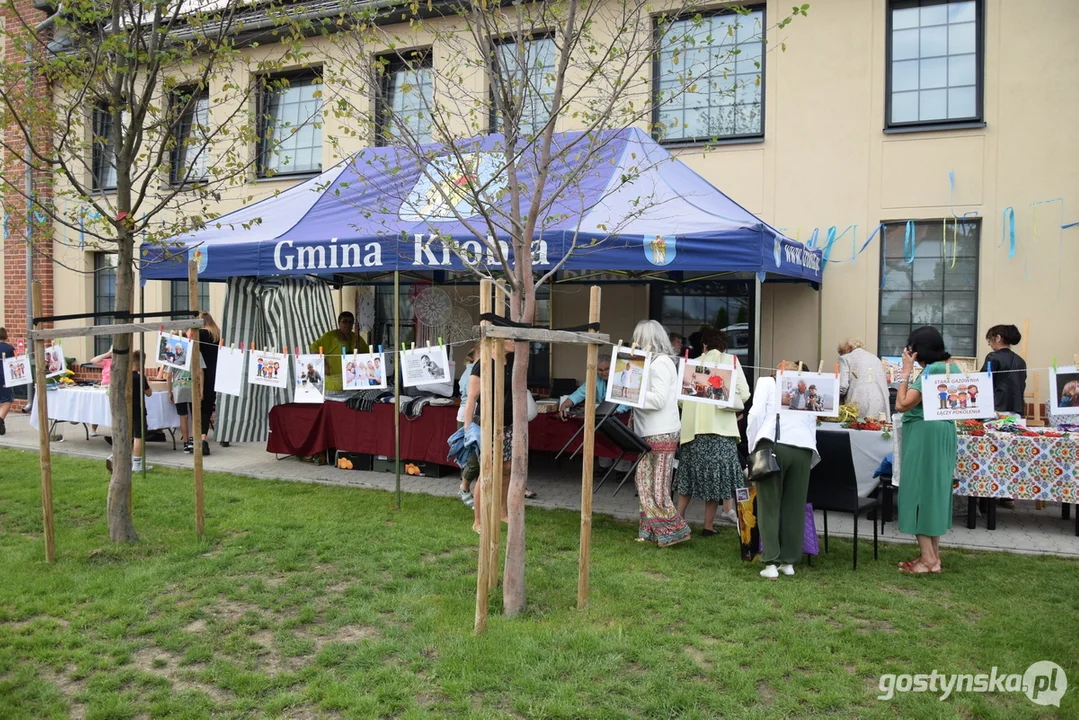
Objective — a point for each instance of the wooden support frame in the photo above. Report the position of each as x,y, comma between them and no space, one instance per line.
44,448
492,422
196,399
93,330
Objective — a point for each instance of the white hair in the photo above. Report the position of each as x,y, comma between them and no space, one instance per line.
652,337
603,358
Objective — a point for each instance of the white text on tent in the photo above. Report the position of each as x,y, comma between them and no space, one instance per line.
470,251
314,257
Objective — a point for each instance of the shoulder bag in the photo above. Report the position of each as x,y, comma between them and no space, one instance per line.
763,462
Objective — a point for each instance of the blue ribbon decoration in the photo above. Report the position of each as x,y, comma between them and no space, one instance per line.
1008,226
908,243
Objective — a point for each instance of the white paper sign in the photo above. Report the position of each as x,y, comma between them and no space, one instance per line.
959,396
310,379
54,361
363,372
17,371
627,383
425,366
269,369
706,382
174,351
808,393
1064,391
230,371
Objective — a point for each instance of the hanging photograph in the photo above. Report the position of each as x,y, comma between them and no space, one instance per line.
425,366
17,371
808,393
269,369
54,361
364,372
310,379
230,371
706,382
173,351
1064,391
967,396
628,381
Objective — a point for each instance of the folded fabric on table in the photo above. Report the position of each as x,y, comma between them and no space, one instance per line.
365,400
885,467
463,444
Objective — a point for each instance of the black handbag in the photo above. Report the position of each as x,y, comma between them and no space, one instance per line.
763,462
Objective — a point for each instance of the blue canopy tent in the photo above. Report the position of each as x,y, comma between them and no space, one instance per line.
614,200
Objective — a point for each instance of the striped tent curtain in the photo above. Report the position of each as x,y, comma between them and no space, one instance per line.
274,314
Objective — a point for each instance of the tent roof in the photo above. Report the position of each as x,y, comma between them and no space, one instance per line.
613,200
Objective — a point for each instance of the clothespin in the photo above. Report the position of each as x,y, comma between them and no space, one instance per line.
413,346
241,346
320,351
619,342
989,367
440,342
836,368
379,349
799,369
1075,359
633,346
297,350
402,347
428,345
1054,365
687,353
221,343
265,349
286,350
820,368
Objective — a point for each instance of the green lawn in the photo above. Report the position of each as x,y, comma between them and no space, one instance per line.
307,601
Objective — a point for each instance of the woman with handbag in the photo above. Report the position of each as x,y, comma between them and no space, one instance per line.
783,449
708,467
658,425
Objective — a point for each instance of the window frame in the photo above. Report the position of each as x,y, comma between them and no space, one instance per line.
657,71
496,43
900,224
978,119
184,127
102,343
261,146
395,62
204,295
100,152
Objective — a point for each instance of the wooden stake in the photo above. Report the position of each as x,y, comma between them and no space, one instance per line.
585,560
498,442
44,449
484,481
196,399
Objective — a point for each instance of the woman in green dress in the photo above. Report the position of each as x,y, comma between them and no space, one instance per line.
928,453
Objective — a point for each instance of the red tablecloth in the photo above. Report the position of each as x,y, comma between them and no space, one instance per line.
304,429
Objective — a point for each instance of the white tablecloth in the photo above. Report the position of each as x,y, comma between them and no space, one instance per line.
868,448
90,405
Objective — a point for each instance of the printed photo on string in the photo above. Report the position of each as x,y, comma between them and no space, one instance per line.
268,369
173,351
364,372
706,382
54,361
964,396
310,381
17,371
808,393
425,366
230,371
1064,391
628,380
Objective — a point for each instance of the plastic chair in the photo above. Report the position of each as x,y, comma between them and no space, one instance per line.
833,485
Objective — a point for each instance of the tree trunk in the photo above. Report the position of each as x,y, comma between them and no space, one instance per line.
121,527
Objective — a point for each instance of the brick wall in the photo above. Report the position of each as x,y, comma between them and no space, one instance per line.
14,244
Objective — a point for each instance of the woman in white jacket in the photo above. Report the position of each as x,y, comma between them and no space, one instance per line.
658,424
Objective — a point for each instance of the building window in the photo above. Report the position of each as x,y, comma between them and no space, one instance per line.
525,80
104,296
180,297
935,50
684,308
383,331
104,153
708,80
406,93
291,119
930,278
190,154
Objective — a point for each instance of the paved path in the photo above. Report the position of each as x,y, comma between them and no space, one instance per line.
1023,530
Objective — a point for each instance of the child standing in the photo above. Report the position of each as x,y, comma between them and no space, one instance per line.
180,395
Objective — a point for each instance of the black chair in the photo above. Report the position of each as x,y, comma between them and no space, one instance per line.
833,485
626,441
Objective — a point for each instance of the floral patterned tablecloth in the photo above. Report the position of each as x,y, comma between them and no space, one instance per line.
1012,466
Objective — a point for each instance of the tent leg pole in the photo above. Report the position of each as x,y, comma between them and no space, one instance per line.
397,387
757,354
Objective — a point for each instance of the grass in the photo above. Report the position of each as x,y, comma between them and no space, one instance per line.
307,601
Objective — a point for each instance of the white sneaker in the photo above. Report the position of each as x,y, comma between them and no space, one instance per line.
770,572
787,569
729,516
95,433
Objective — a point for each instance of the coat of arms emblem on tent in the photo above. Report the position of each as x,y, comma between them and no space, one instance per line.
446,188
200,256
660,249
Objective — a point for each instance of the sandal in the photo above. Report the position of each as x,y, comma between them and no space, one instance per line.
925,569
907,564
530,494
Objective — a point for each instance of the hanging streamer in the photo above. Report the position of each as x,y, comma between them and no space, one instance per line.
908,243
1008,226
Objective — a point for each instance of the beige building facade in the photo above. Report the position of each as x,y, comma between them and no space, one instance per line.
919,131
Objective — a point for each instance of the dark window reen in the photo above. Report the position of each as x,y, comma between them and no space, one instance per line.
406,94
291,125
724,304
180,299
525,74
930,279
104,295
709,77
189,157
935,53
104,152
